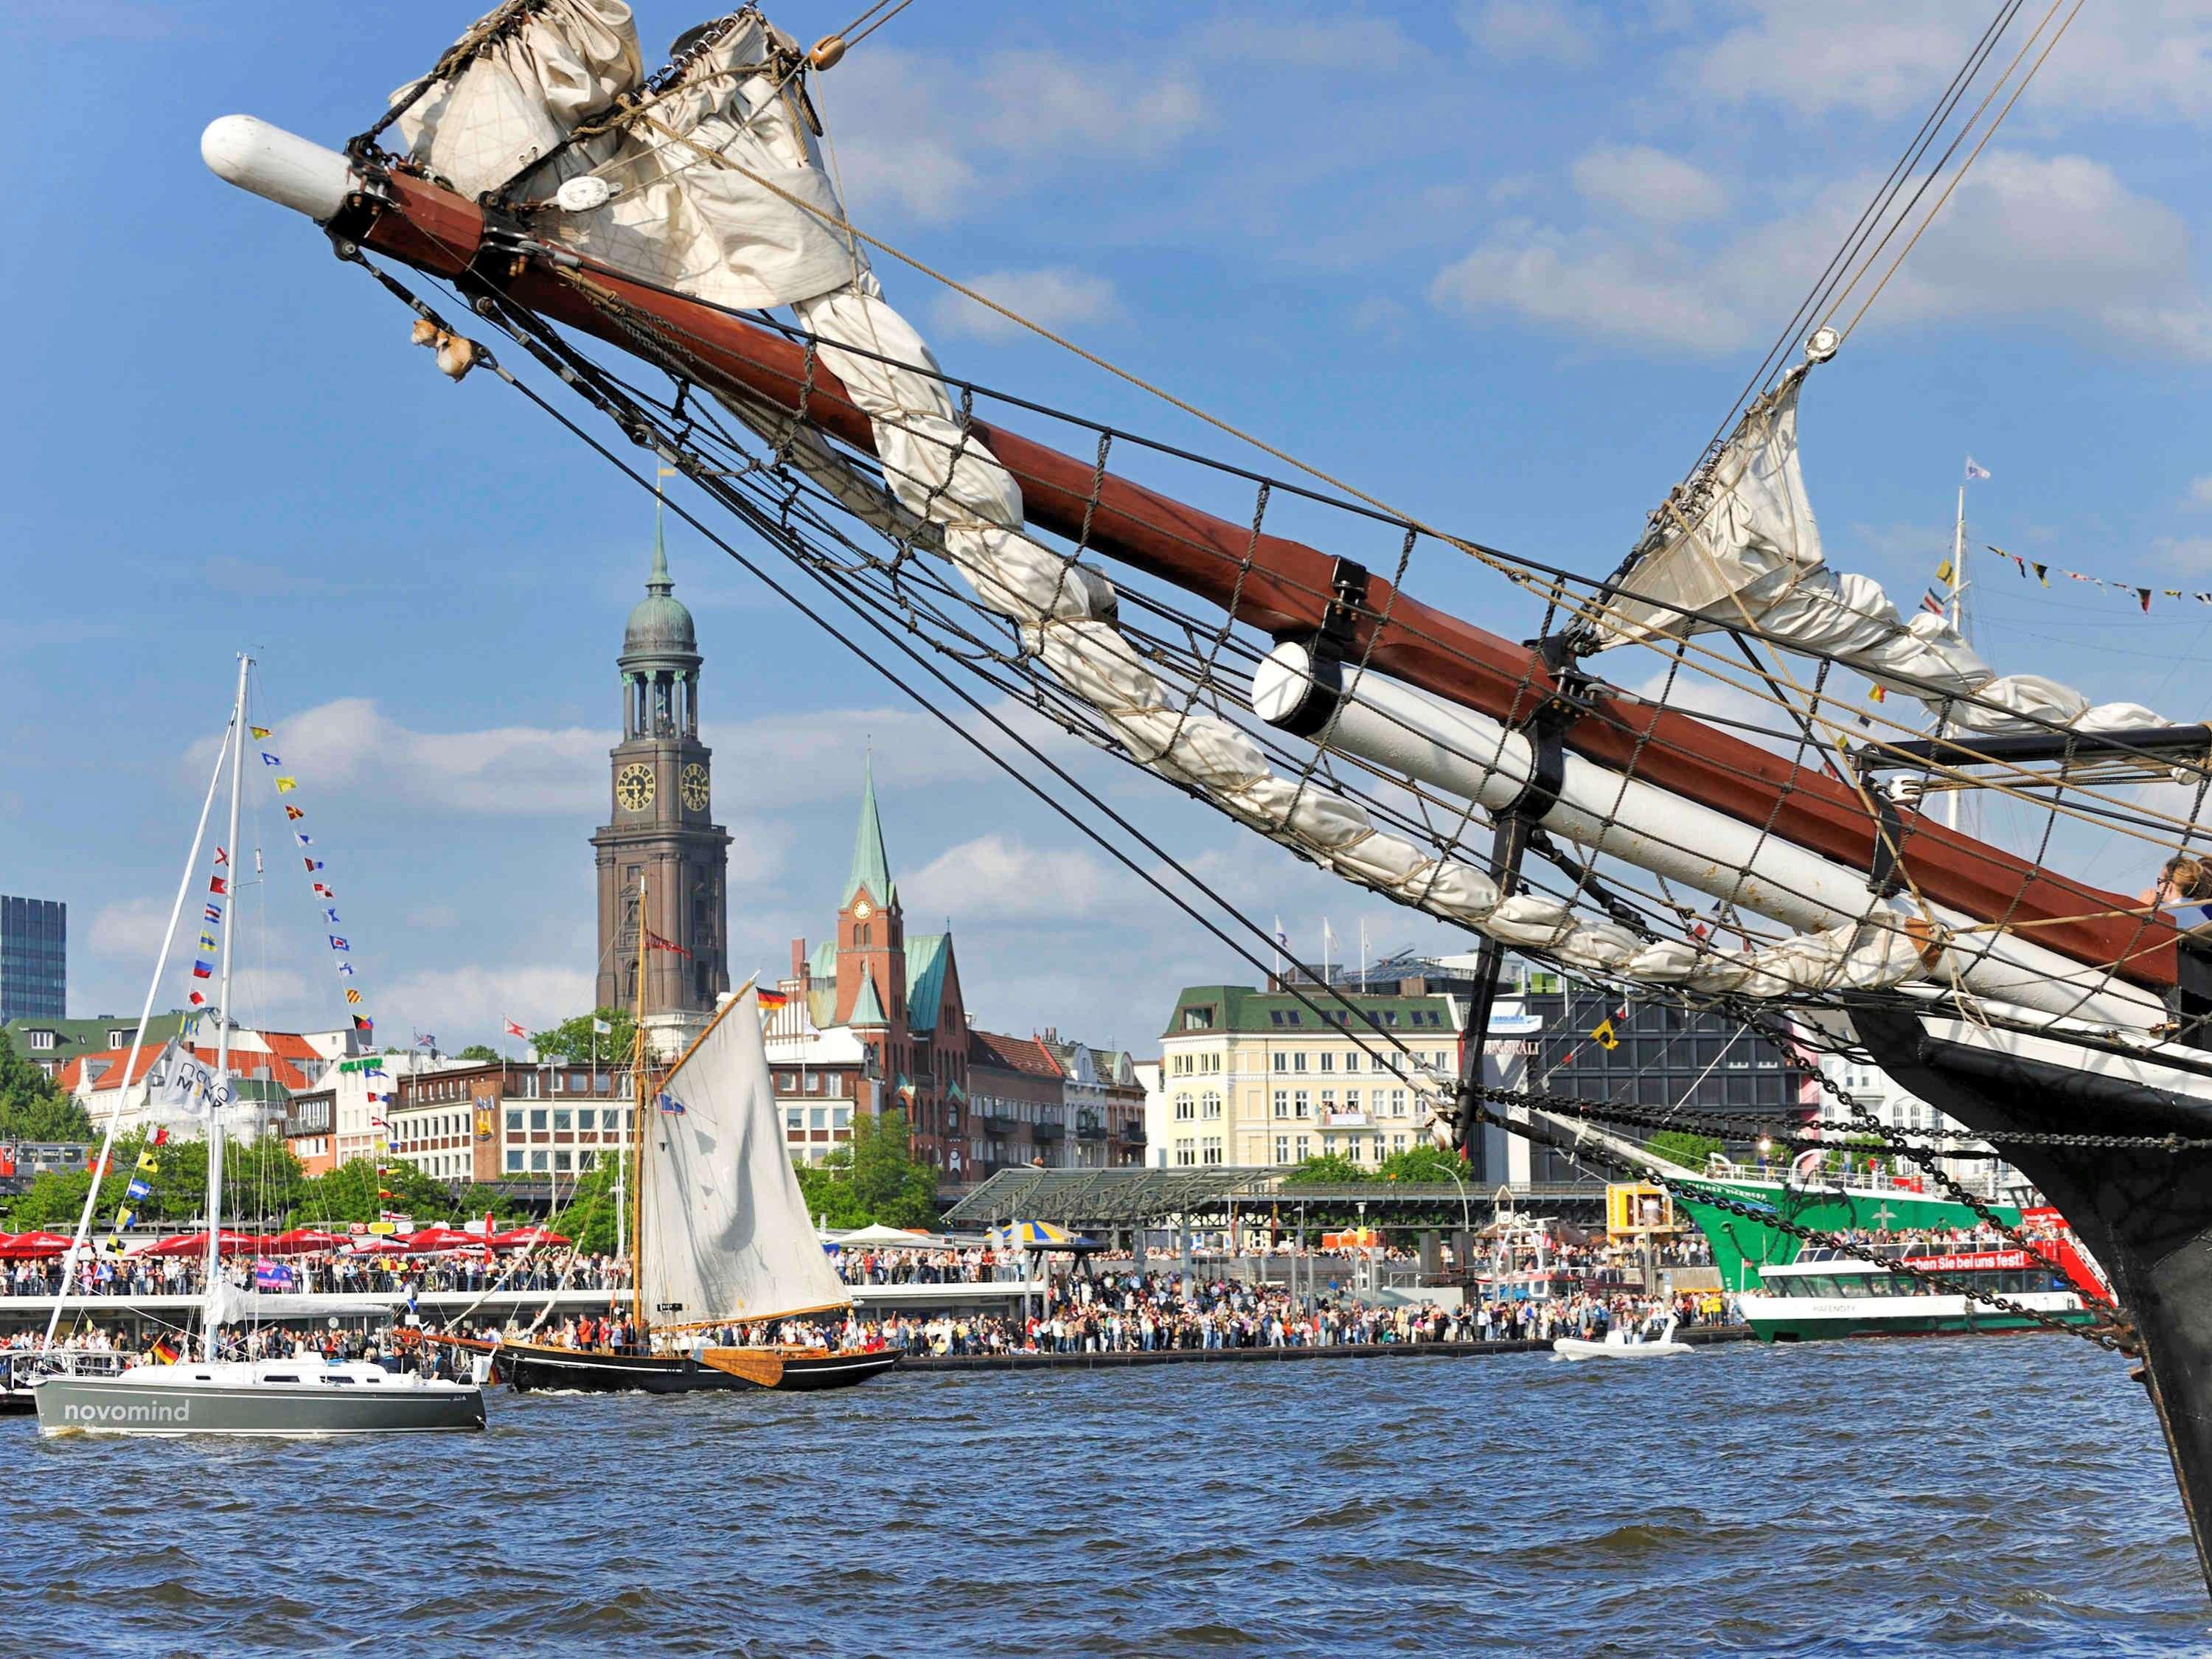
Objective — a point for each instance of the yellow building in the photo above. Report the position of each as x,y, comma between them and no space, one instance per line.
1258,1077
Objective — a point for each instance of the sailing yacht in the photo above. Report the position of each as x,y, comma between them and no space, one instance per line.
720,1239
302,1396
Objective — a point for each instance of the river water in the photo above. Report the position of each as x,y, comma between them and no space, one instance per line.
1976,1495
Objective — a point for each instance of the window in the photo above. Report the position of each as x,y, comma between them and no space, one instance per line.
1397,1103
1301,1106
1186,1153
1351,1060
1298,1062
1282,1103
1185,1109
585,1118
1304,1142
1275,1017
46,1040
841,1117
1352,1100
1282,1149
814,1083
1210,1106
1327,1060
1210,1149
794,1117
1198,1019
537,1117
585,1160
563,1118
1282,1062
537,1161
1397,1143
818,1117
564,1162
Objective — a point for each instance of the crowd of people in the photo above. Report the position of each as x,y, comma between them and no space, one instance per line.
329,1272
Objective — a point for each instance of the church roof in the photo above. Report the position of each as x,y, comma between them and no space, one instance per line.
928,956
867,1007
872,868
659,625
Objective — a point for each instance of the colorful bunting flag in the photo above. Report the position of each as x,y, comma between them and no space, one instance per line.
221,856
201,968
331,913
259,733
215,914
312,864
293,814
218,886
1603,1035
352,995
338,944
303,838
346,968
286,786
322,890
267,759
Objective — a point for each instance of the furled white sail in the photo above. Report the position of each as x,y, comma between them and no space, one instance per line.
235,1305
1745,550
525,90
717,186
724,1232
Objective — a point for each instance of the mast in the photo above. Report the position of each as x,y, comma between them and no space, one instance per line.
219,1095
137,1043
637,1073
1957,613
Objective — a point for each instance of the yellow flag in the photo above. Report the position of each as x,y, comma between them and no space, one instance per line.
1877,694
353,996
1603,1035
149,1165
259,731
286,786
1943,571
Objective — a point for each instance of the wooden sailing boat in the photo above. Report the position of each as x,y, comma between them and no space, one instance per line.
662,216
720,1241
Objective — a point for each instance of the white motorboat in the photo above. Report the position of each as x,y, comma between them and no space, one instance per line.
1624,1342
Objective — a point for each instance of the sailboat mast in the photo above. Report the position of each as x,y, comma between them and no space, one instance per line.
637,1068
137,1043
219,1095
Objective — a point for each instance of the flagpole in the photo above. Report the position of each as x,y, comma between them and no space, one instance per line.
218,1095
1958,610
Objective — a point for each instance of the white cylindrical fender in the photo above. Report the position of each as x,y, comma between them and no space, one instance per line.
1476,757
291,171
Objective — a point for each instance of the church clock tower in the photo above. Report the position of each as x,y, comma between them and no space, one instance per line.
661,838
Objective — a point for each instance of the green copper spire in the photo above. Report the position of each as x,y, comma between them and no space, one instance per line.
870,868
660,628
659,581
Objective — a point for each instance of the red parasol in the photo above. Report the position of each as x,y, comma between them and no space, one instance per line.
516,1238
425,1240
229,1243
28,1247
298,1240
376,1246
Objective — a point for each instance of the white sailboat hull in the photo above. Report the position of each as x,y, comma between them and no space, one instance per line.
282,1399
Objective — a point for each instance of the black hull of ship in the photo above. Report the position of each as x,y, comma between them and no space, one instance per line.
529,1369
2146,1214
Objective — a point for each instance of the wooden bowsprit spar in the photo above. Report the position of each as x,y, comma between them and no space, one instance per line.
2139,1203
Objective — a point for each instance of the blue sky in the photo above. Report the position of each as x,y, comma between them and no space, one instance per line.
1504,264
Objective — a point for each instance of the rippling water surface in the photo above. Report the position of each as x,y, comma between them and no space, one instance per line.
1994,1495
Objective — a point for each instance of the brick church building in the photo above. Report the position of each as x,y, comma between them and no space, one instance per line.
893,995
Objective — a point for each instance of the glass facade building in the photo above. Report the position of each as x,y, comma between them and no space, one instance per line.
34,958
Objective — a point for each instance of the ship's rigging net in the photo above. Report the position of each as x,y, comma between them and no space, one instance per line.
705,181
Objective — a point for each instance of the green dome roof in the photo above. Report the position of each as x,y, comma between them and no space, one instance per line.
659,625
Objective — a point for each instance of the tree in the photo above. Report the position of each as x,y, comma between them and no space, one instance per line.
874,1179
32,1104
1681,1147
589,1219
355,1191
261,1182
575,1039
478,1051
1426,1162
1326,1169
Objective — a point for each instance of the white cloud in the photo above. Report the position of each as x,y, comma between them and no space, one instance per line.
1648,184
1552,30
1372,42
131,930
1057,297
994,879
1891,57
2054,238
924,136
2200,491
460,1004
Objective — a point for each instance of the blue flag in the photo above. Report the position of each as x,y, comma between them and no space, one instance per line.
669,1102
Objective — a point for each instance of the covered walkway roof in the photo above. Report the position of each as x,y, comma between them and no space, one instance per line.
1122,1197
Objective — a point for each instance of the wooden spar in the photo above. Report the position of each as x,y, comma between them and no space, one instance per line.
1287,587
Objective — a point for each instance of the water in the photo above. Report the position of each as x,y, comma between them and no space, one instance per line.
2000,1495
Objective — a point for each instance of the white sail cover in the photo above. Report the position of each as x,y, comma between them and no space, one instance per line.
236,1304
523,94
726,1234
1749,554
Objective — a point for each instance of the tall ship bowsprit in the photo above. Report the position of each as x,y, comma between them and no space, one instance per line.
665,266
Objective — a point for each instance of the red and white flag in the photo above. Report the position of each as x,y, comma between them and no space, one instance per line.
513,1029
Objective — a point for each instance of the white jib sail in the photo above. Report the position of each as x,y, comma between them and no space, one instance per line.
726,1234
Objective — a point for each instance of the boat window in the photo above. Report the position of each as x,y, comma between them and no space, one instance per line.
331,1377
280,1379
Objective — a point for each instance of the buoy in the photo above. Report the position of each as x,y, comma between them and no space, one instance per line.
827,52
426,332
457,356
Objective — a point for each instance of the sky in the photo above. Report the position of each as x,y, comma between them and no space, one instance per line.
1504,264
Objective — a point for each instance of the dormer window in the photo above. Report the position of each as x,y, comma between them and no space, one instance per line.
40,1038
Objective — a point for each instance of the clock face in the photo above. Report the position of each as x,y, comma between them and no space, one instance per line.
634,786
863,911
694,786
